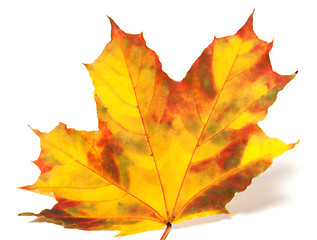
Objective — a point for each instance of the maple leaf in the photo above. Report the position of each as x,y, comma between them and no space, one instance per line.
165,151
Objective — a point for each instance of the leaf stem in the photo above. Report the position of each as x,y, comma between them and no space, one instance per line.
167,230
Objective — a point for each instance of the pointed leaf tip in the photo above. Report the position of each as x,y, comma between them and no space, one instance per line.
250,19
248,26
111,21
292,145
24,214
252,13
37,132
293,75
87,65
27,187
115,30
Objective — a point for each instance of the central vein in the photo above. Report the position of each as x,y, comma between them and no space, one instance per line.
144,127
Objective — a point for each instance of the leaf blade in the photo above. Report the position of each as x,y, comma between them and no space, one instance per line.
165,151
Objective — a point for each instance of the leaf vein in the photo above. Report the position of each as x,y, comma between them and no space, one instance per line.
144,127
202,132
103,177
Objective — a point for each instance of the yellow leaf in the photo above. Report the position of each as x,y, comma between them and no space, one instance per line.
165,151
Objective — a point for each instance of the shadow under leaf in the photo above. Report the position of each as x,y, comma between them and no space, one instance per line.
266,191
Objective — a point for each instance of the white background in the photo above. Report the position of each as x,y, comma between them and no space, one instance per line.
43,82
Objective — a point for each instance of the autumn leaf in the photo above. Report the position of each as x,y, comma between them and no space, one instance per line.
165,151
